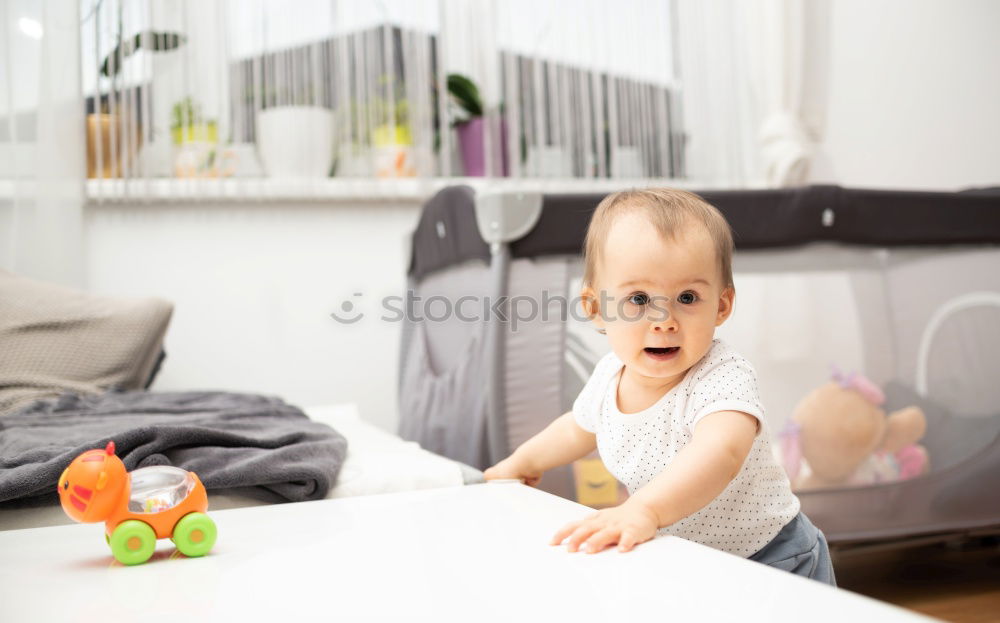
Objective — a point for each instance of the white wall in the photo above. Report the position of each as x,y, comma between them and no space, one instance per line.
913,95
253,287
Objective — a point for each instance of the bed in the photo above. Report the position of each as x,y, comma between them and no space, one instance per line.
377,462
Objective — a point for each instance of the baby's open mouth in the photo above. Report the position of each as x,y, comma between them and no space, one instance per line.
662,354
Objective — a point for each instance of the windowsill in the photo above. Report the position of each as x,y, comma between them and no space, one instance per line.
336,190
249,190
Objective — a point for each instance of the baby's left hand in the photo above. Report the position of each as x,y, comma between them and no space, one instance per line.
627,525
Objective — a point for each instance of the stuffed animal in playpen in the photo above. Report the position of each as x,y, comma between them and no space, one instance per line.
839,435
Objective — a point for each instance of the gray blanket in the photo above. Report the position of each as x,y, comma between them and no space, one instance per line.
256,444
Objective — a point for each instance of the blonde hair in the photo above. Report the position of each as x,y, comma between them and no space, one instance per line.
668,210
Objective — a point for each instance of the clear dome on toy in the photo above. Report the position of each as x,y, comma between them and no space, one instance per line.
159,488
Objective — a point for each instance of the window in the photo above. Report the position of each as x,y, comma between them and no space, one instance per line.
357,89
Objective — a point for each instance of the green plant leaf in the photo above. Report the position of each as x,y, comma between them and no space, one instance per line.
466,94
186,112
146,40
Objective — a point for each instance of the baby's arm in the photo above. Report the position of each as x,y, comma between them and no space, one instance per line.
562,442
695,477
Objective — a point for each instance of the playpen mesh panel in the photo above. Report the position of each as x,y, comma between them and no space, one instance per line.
945,317
445,363
924,321
534,348
444,367
946,320
963,357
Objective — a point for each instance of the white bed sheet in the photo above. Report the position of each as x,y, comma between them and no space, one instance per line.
377,462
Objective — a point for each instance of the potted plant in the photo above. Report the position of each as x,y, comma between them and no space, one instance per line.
188,124
391,139
296,140
471,128
388,149
105,130
195,141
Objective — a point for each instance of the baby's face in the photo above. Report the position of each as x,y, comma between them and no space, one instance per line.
660,300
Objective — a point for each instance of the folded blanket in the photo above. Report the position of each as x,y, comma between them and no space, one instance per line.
257,443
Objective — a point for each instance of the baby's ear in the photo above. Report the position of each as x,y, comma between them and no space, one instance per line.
591,306
726,301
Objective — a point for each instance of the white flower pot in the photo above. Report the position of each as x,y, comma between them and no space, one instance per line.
296,141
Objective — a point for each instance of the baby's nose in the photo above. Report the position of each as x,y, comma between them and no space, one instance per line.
662,320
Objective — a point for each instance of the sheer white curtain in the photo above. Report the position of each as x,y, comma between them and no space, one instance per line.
753,78
720,111
41,141
788,41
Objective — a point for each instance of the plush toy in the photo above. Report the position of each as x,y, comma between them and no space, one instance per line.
840,435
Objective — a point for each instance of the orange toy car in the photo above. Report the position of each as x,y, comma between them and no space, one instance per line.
138,507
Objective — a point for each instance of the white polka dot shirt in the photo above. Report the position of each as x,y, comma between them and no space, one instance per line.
636,447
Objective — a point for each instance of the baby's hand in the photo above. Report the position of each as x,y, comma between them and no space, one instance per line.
627,525
513,469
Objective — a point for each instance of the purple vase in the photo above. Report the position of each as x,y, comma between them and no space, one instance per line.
471,145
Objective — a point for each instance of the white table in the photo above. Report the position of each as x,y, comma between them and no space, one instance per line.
453,554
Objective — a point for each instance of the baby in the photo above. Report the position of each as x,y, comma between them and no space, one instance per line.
673,412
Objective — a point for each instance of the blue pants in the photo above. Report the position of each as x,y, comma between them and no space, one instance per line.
799,548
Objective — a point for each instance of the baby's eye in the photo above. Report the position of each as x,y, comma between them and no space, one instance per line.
686,298
638,298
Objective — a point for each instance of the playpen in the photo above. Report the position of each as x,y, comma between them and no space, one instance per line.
902,286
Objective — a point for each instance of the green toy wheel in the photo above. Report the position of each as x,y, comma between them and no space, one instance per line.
133,542
194,534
